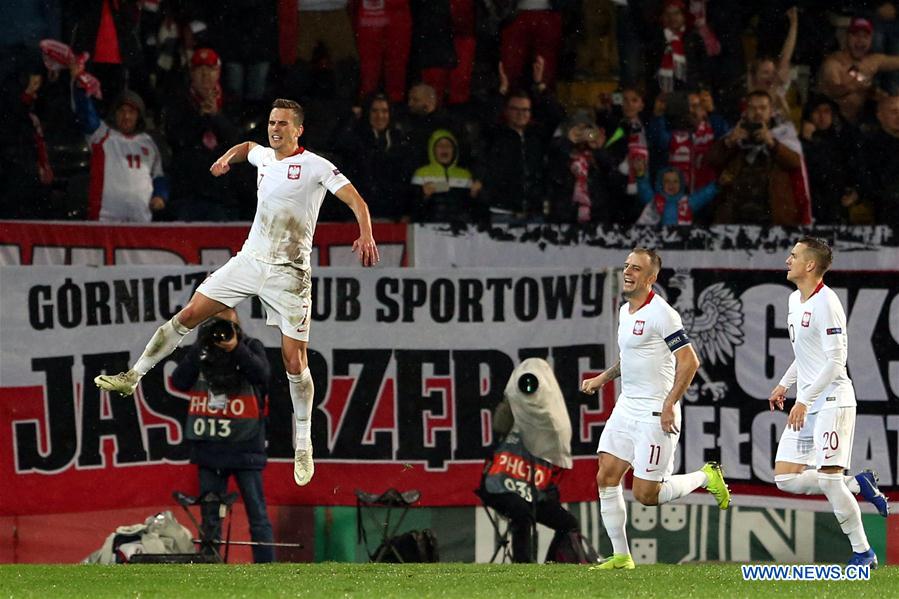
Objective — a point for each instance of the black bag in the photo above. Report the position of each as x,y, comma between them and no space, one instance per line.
415,546
571,548
498,13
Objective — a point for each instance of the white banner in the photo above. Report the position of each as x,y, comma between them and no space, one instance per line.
723,247
408,365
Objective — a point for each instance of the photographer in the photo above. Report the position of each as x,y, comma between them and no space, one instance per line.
757,161
529,459
226,374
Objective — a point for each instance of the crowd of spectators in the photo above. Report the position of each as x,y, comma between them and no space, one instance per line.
717,111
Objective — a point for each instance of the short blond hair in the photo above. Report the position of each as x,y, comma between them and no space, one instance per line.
654,258
820,251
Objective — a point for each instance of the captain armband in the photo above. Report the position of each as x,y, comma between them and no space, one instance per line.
677,340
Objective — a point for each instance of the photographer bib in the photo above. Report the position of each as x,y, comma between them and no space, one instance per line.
510,470
219,417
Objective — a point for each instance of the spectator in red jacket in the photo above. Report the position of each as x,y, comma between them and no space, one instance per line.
384,38
535,30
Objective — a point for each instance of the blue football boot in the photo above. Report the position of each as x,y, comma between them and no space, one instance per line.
867,558
867,482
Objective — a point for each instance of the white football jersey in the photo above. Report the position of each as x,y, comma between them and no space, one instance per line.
290,193
122,171
816,326
647,340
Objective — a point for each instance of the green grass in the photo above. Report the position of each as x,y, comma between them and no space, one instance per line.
383,581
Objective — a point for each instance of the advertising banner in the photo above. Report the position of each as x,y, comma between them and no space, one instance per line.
408,365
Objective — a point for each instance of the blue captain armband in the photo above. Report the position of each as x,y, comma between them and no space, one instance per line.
677,340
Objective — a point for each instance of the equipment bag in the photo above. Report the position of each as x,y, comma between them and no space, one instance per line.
415,546
571,548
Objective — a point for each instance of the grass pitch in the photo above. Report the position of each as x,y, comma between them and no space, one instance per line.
383,581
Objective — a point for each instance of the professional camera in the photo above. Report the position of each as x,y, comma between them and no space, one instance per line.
219,367
752,129
221,330
750,126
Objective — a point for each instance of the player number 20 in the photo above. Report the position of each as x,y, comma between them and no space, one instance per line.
831,440
217,428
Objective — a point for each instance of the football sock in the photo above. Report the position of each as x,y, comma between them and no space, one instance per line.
301,393
162,343
806,483
845,508
680,485
614,517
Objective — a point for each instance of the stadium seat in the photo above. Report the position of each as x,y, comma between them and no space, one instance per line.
391,499
502,533
207,546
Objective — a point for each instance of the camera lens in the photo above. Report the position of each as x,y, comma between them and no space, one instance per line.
222,330
528,383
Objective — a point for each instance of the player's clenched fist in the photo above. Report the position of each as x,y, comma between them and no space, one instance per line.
590,386
220,167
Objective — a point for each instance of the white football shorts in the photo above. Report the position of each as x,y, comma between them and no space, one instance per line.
824,440
644,445
285,291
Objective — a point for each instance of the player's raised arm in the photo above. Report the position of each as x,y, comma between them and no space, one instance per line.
365,245
236,154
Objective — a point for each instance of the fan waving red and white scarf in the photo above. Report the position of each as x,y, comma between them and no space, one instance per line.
58,57
674,61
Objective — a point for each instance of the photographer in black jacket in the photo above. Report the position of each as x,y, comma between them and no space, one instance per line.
227,374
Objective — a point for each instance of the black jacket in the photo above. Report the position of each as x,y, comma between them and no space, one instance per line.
877,167
125,17
197,141
243,31
600,180
513,169
432,34
22,195
249,357
375,163
829,157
